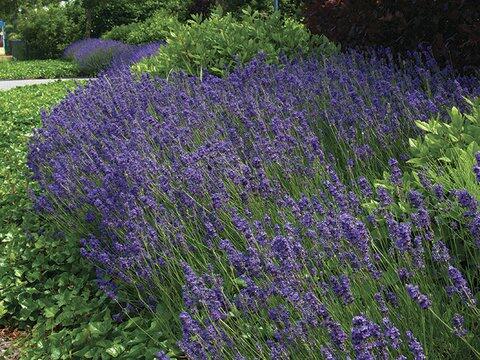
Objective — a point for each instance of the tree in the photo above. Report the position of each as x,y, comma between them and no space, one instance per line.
47,30
10,9
90,6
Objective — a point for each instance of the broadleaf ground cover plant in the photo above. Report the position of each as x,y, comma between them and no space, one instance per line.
37,69
244,213
46,288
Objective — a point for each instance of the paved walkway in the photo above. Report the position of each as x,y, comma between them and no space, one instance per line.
10,84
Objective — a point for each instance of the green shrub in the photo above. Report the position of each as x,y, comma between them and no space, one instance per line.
221,42
443,164
49,30
120,32
446,153
155,28
289,8
110,14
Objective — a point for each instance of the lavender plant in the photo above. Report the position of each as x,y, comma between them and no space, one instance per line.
95,55
245,214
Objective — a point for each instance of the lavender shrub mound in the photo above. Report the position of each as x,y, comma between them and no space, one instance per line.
95,55
232,208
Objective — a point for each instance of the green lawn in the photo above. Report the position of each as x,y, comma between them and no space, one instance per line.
37,69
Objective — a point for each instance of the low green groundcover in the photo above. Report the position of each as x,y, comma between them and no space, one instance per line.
37,69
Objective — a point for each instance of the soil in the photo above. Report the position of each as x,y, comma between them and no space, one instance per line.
7,349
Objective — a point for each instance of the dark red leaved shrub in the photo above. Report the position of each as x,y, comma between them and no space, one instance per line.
451,27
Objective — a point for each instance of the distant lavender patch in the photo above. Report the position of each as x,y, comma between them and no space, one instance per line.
95,55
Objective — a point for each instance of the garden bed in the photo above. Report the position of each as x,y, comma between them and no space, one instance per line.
200,199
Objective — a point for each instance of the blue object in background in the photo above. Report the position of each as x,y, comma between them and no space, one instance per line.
2,25
275,5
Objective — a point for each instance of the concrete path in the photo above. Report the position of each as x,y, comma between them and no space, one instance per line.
10,84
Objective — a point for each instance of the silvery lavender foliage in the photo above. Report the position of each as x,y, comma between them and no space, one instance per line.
94,55
233,189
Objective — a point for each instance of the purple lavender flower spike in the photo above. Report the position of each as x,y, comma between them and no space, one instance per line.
161,355
475,229
384,196
392,334
458,325
341,287
415,347
460,285
440,252
422,300
365,336
396,173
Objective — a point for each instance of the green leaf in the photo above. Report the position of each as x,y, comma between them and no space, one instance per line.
423,125
50,312
413,143
456,118
453,138
115,350
416,161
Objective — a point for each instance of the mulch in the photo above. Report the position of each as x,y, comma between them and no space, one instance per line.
7,339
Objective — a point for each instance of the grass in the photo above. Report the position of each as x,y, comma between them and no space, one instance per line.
37,69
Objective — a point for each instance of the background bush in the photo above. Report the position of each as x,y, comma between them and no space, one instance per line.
220,42
48,31
155,28
451,27
124,12
121,32
289,8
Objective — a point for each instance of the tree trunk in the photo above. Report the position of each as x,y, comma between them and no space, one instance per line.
88,22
